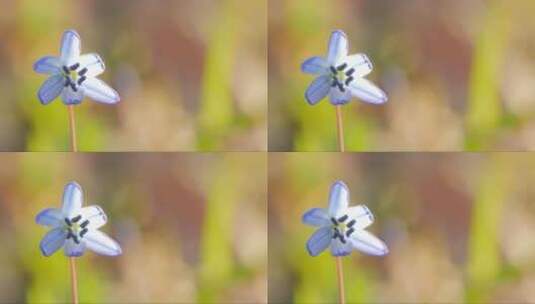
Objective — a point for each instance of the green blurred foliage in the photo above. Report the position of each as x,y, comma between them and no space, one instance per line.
458,227
192,78
459,75
192,227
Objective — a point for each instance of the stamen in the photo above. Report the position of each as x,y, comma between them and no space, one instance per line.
73,87
334,221
84,224
333,70
75,238
348,232
83,232
67,81
82,79
351,223
342,67
341,87
336,233
350,72
76,218
334,83
68,222
342,239
348,81
82,72
65,70
74,66
342,218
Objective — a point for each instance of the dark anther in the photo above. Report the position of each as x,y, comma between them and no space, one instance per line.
73,87
334,221
76,218
348,81
84,224
333,70
334,83
67,81
342,239
69,234
348,232
75,238
68,222
74,66
65,70
351,223
336,233
350,72
82,79
82,72
342,67
83,232
341,87
342,218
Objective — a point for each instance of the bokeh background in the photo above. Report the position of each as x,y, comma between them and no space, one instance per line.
459,227
460,74
192,74
192,227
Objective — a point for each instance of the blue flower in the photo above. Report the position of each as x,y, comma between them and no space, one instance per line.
75,228
72,75
342,227
341,75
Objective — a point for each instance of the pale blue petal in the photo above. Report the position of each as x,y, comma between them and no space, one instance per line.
95,215
70,47
93,63
51,89
73,249
362,215
99,91
50,217
71,97
319,241
360,63
52,241
367,91
102,244
318,89
338,199
367,243
340,249
315,65
316,217
48,65
338,47
73,199
338,97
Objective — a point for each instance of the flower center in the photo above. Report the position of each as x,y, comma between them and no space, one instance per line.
74,76
75,229
342,227
342,76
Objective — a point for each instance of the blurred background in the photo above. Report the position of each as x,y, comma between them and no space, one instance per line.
191,74
459,227
192,227
459,74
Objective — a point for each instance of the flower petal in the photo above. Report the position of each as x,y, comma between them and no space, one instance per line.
93,63
70,47
72,249
362,215
100,243
367,91
52,217
315,65
338,199
51,89
47,65
316,217
71,97
338,47
99,91
73,199
340,249
318,89
338,97
366,242
319,241
95,215
52,241
360,63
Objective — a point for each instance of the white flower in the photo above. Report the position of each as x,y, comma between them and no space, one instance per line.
75,228
73,75
342,227
341,75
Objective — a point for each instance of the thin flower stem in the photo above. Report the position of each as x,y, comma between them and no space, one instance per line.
340,274
74,280
340,127
72,127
